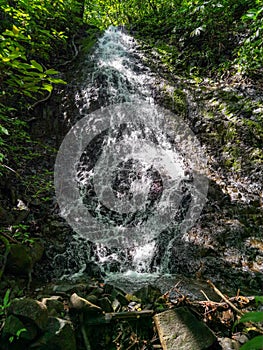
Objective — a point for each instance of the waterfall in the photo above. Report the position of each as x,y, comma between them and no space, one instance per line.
128,175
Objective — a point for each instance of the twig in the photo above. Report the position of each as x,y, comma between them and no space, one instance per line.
75,55
133,344
12,239
7,167
40,101
205,295
224,298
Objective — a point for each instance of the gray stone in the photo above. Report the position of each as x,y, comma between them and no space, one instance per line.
229,344
32,310
179,329
81,304
59,335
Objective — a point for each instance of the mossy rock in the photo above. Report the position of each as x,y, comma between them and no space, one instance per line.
19,260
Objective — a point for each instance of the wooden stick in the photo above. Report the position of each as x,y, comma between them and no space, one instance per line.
205,295
224,298
108,317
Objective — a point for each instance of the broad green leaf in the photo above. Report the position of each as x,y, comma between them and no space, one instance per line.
57,81
253,316
15,30
6,298
51,71
37,66
253,344
3,130
47,87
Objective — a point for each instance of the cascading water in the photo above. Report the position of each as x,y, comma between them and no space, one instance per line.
131,188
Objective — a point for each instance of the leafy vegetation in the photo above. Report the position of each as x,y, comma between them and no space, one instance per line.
252,317
33,35
192,36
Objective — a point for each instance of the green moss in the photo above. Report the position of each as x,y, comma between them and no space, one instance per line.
180,102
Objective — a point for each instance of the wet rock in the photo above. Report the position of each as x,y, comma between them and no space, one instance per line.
22,258
19,260
98,292
54,305
116,305
92,298
148,294
105,304
37,250
81,304
122,299
93,270
33,311
228,344
179,329
59,335
67,288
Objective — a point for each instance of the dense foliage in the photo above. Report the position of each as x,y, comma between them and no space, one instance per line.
192,35
33,36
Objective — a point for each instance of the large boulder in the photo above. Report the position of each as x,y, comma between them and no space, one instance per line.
59,335
21,258
30,311
179,329
15,328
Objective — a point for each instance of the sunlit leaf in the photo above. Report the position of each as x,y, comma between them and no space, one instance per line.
3,130
36,65
57,81
47,87
51,71
15,30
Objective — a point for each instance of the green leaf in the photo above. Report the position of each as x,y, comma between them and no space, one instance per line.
253,316
47,87
3,130
51,71
6,298
15,30
253,344
57,81
20,331
258,299
37,66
